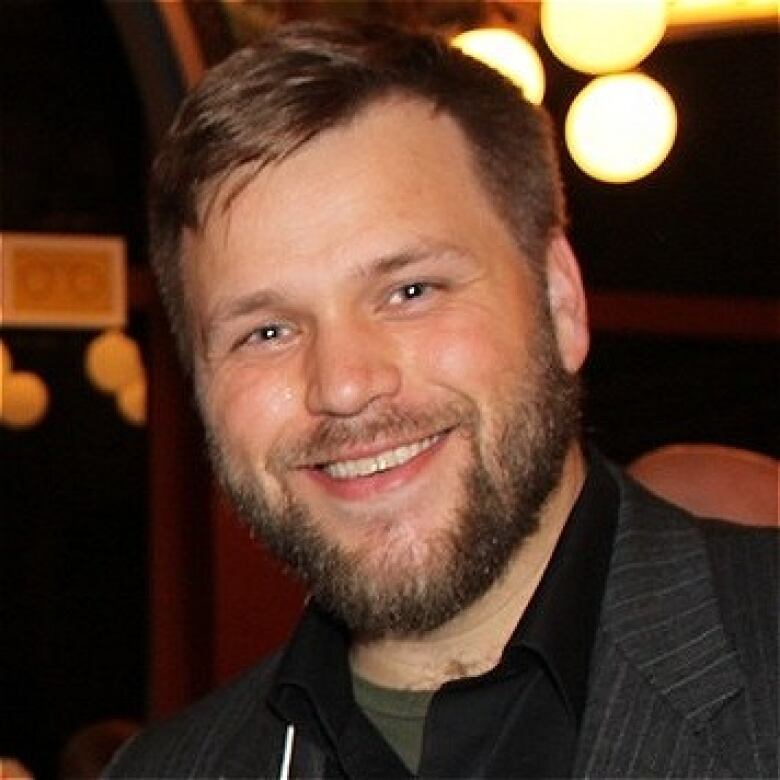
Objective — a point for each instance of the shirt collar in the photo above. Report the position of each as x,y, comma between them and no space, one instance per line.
560,622
314,675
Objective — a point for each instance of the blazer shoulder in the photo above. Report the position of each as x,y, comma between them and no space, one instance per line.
186,744
651,510
741,552
745,562
684,673
742,561
737,553
742,564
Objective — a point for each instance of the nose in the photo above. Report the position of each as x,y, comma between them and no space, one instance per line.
349,368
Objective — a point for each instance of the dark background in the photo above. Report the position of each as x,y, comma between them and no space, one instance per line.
73,533
73,490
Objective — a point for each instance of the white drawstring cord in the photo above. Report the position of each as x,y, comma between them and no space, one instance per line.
289,737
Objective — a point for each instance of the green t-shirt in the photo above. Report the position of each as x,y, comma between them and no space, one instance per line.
399,716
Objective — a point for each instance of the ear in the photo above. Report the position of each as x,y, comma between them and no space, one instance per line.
568,306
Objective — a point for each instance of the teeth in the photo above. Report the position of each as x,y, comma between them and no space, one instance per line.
364,467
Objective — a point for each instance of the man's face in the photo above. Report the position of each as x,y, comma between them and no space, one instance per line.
377,369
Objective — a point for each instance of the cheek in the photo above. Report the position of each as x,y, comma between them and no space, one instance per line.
476,359
250,410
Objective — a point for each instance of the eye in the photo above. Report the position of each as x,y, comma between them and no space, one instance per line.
414,290
410,292
265,335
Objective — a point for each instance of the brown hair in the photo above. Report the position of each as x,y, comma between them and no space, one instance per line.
267,100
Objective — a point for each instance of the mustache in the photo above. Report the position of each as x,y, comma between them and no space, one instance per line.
331,436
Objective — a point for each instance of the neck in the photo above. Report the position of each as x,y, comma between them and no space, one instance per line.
472,642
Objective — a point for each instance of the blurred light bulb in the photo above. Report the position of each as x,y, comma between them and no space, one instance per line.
131,402
508,53
113,360
24,399
620,128
602,36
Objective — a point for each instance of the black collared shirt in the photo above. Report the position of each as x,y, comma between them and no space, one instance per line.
521,719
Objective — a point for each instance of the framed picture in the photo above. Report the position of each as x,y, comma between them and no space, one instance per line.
59,281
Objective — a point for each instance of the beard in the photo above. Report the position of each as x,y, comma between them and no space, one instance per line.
392,582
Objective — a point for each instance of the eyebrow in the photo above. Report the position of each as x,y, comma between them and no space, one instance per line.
384,265
226,311
241,306
234,308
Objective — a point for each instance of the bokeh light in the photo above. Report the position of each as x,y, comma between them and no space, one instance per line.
24,399
602,36
113,361
621,128
131,402
508,53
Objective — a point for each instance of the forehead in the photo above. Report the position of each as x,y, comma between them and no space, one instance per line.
400,128
399,171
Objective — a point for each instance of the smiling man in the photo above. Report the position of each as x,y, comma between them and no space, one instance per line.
359,236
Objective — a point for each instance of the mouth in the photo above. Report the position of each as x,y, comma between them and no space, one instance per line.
379,463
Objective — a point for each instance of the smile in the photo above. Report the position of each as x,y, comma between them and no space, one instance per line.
383,461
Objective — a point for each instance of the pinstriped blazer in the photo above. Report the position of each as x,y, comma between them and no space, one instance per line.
683,679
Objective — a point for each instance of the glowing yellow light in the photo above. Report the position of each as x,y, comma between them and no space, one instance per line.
6,361
620,128
508,53
681,12
131,402
23,400
113,361
602,36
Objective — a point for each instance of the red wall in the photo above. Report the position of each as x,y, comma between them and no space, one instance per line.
256,603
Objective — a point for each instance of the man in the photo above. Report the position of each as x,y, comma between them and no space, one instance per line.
359,236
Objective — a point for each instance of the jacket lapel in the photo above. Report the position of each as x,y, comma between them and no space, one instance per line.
662,656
